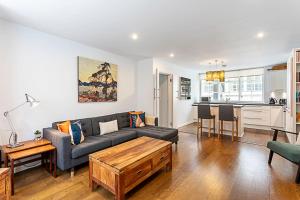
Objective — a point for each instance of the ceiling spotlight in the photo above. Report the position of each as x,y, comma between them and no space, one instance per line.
260,35
134,36
172,55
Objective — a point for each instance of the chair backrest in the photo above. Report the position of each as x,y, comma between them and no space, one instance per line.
226,112
204,111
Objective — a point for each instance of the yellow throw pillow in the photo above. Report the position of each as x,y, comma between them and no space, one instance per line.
150,120
64,126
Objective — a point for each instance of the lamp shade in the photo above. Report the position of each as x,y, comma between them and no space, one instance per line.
209,76
32,101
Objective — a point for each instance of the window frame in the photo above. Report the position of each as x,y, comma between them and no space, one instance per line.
239,87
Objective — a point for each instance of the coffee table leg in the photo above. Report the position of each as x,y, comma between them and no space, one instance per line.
92,184
119,187
169,165
12,165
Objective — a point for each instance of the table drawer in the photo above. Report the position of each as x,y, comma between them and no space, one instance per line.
161,158
138,172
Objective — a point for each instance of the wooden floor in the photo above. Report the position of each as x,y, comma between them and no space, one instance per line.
258,137
208,169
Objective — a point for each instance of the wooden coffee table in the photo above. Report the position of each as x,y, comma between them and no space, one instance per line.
28,149
120,168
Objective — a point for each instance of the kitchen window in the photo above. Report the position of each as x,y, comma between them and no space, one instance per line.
241,85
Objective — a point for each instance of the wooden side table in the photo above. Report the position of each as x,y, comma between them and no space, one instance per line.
30,148
5,185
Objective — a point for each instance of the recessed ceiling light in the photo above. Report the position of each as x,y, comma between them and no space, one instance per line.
260,35
134,36
171,55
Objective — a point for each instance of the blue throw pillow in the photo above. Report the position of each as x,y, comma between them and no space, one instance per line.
76,133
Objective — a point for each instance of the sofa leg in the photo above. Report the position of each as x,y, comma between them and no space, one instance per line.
72,172
298,175
270,156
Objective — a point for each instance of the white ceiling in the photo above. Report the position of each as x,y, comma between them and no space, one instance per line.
196,31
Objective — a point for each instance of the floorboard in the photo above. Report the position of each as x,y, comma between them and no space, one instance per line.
204,169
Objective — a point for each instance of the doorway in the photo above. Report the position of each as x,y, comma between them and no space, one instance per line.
165,100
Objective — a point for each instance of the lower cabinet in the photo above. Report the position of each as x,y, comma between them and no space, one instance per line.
263,117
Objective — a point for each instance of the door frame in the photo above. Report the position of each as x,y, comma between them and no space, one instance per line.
170,97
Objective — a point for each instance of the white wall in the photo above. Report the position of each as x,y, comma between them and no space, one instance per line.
45,66
182,109
145,86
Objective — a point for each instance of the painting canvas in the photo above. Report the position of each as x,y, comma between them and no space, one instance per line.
97,81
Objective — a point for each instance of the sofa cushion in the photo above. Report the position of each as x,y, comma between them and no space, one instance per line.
86,126
286,150
155,132
96,120
120,136
123,120
90,145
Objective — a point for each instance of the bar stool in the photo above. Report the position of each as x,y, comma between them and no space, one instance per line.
204,113
226,113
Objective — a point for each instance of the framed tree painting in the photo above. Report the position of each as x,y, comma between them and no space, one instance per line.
97,81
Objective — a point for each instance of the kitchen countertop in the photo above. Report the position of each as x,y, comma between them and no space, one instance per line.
237,104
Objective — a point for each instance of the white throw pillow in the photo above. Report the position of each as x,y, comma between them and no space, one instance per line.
108,127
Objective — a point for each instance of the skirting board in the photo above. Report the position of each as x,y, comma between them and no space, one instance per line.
184,124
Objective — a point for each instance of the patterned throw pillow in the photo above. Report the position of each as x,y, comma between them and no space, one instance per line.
137,119
76,133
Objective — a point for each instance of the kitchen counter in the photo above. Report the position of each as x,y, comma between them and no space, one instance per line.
237,104
251,115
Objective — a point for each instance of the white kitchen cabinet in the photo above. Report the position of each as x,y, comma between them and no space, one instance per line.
256,115
263,117
277,116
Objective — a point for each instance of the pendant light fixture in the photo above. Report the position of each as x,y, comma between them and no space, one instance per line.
216,75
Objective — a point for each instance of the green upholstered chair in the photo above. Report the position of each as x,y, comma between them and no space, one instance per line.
288,151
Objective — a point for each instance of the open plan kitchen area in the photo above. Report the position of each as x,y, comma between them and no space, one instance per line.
246,104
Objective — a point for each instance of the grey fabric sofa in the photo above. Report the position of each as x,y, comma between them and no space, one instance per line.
69,156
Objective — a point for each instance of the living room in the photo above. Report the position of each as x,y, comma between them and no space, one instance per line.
149,100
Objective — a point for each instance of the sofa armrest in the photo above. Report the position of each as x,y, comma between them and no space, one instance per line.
62,142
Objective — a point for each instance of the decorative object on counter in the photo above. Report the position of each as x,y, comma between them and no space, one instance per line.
185,88
37,135
282,101
13,139
272,100
97,81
